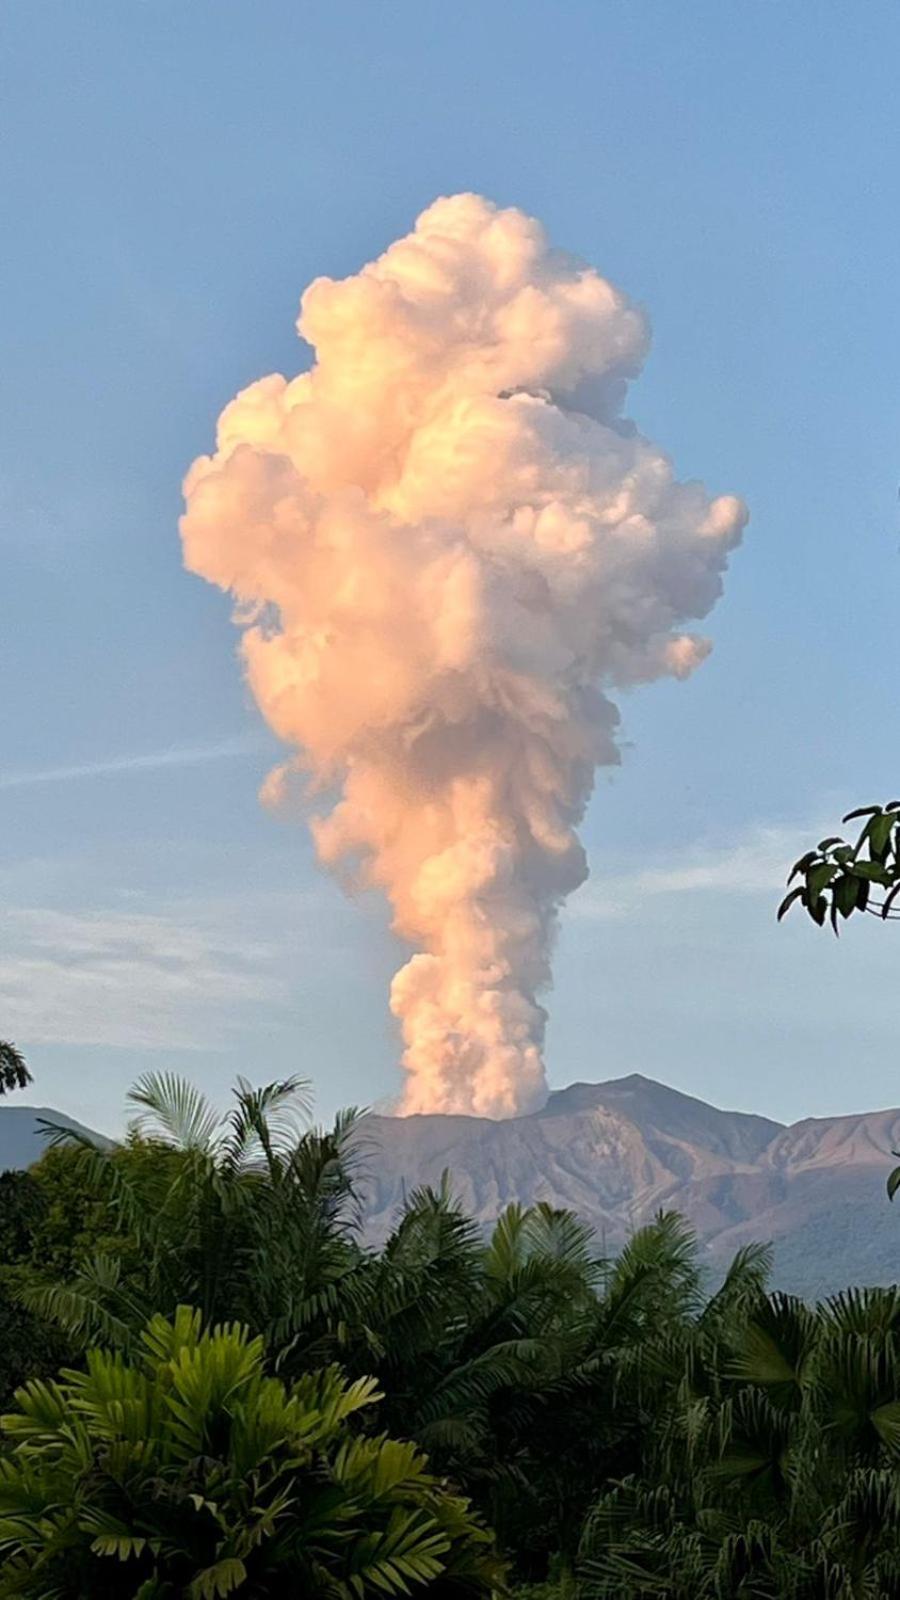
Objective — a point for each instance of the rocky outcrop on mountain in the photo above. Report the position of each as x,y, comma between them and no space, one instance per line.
616,1152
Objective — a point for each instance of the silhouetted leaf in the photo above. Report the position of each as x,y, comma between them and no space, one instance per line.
788,901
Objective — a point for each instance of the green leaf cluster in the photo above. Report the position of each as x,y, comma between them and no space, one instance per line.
187,1470
14,1073
837,878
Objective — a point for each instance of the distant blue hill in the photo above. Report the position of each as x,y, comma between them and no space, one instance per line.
22,1141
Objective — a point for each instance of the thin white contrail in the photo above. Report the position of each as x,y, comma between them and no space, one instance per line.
179,756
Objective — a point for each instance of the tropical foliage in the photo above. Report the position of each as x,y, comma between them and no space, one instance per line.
501,1357
232,1215
838,878
621,1429
188,1471
29,1345
14,1073
774,1471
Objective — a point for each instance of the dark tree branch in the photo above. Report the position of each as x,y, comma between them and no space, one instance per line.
14,1073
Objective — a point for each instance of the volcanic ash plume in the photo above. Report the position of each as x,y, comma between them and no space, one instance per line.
446,547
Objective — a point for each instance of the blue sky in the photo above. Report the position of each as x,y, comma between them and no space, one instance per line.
173,174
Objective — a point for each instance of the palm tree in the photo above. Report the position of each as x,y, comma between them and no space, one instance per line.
524,1365
248,1216
186,1470
776,1473
591,1421
14,1073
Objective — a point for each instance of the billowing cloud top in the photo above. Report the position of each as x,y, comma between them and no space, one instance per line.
447,548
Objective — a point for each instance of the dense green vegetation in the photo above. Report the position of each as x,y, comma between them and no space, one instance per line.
256,1403
190,1470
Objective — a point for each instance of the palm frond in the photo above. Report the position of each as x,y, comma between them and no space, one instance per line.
14,1073
745,1280
265,1124
174,1111
78,1308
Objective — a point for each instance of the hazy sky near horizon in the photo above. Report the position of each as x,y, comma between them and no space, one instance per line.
172,176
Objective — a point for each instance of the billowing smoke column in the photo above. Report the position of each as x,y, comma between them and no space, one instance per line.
446,547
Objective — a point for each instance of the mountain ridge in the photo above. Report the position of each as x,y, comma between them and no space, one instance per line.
616,1152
